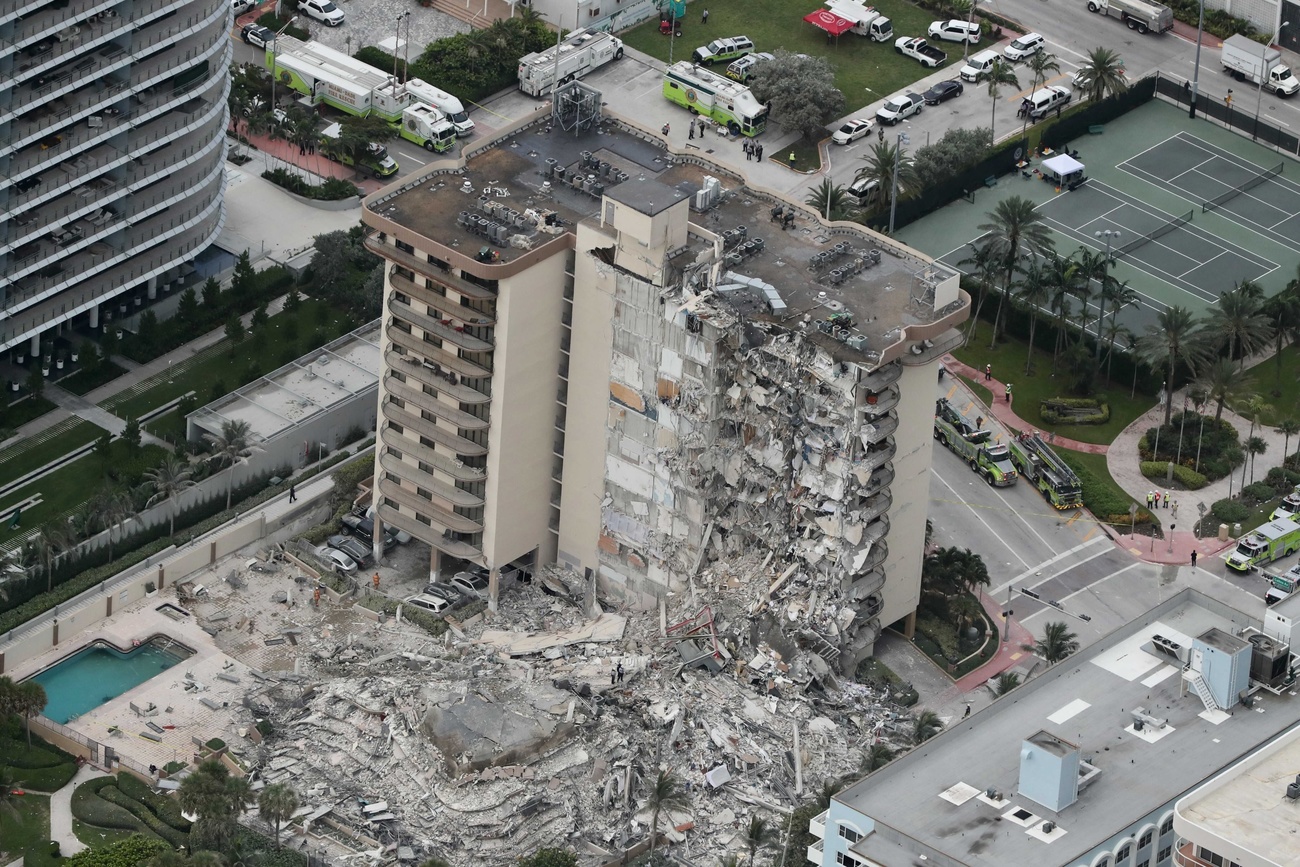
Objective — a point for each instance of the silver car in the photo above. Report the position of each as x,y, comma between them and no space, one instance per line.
428,604
349,546
336,558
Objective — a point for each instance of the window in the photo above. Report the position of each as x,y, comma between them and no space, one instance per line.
1163,854
849,834
1167,825
1123,853
403,246
1145,840
847,860
1145,862
1211,857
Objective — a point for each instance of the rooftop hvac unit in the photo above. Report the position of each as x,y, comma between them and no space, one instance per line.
1293,789
1049,827
858,342
560,171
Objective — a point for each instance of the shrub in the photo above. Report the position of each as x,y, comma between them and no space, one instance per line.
1259,492
1229,511
166,806
1186,477
1057,411
1107,502
273,22
115,796
1218,446
128,853
1282,480
333,190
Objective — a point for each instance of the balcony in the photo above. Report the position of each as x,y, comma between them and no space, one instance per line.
877,557
876,506
815,853
878,404
876,456
423,266
440,517
425,428
413,368
458,470
880,480
430,482
878,430
432,535
441,303
430,403
880,379
817,825
447,333
438,357
865,585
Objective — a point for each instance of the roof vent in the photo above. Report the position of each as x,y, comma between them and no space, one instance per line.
1293,790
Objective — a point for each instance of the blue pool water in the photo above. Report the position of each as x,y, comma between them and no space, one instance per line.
100,673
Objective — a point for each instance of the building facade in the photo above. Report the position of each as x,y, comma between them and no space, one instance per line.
626,362
112,150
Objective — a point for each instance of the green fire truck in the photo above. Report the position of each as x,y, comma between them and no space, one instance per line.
971,443
1268,542
1040,465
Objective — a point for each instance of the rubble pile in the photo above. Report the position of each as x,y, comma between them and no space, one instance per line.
516,730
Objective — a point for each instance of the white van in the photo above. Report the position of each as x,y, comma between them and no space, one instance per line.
955,30
444,102
978,65
1052,97
864,191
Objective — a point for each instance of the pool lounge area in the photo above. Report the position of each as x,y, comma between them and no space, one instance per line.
100,672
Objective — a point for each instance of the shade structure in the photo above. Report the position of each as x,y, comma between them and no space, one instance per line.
824,19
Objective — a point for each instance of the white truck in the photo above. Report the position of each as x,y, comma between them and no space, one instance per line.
1247,60
428,127
867,20
1139,15
450,106
579,53
919,50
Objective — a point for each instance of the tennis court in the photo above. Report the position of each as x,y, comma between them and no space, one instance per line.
1259,197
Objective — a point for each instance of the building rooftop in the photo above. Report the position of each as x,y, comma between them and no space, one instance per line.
871,286
936,794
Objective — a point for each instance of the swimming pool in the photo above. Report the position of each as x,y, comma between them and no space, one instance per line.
99,673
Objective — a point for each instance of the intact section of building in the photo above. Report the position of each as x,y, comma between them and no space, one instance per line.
1085,765
112,123
628,362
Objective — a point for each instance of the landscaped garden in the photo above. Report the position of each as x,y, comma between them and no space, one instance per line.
952,627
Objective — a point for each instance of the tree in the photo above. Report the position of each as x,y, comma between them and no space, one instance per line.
218,798
550,857
831,200
1035,293
926,725
1000,74
758,836
1057,643
954,570
1005,682
292,299
29,700
1220,380
211,295
957,150
36,380
131,435
1283,310
1173,339
234,332
116,508
876,757
801,90
276,805
1103,74
1255,446
260,316
665,794
187,309
146,333
1041,64
1287,427
54,539
244,277
89,355
356,134
231,448
986,272
879,167
168,481
1014,228
9,793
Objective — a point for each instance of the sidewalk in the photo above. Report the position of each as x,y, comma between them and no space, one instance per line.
1004,413
61,811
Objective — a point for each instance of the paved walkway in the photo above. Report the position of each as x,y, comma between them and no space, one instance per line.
79,406
1004,412
61,811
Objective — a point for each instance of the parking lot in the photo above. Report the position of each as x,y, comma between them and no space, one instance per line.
370,22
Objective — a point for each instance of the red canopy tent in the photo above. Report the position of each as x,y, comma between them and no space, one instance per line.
824,19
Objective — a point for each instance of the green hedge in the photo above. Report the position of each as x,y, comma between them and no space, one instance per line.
333,190
167,807
1051,414
89,807
114,795
130,852
1103,497
1185,476
1229,511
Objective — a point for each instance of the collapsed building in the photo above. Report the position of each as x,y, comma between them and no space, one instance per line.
629,363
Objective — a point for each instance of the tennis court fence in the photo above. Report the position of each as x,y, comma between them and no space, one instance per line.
1158,232
1262,177
1179,92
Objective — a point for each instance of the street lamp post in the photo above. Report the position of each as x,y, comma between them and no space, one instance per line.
965,43
1263,71
893,195
274,39
1109,235
1196,70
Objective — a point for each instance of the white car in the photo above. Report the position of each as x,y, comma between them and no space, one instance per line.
471,584
323,11
852,131
955,31
1024,47
336,558
428,604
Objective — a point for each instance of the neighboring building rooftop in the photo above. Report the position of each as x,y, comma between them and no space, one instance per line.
935,795
532,171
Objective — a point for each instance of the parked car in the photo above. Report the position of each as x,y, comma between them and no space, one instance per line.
1024,47
242,6
364,529
942,92
401,536
471,584
864,191
899,108
323,11
728,48
955,30
443,589
336,558
256,35
349,546
852,131
428,604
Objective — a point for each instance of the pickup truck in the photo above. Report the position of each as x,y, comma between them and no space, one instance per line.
916,48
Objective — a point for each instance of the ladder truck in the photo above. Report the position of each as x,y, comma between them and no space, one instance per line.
971,443
1039,464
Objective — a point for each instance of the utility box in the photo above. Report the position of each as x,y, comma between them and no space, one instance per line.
1049,770
1223,660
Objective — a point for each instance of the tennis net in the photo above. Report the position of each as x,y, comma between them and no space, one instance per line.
1158,232
1260,178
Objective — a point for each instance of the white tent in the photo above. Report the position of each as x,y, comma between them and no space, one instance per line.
1062,168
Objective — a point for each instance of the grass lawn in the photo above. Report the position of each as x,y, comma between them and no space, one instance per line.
865,71
87,379
169,426
1106,500
28,833
1284,398
807,156
98,837
24,410
1008,361
28,454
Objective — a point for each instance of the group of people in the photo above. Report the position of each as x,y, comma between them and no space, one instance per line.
1155,498
753,150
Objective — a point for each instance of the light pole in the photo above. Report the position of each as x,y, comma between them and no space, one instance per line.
965,43
273,41
893,195
1196,70
1263,71
1109,235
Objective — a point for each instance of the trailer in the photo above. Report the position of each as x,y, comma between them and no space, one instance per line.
1052,476
706,93
867,20
427,127
1139,15
581,52
1246,60
331,77
452,108
972,442
1269,542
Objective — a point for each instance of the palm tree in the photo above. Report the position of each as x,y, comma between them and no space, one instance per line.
218,798
829,790
1005,682
876,758
1041,64
759,835
1103,74
231,448
29,700
1000,74
986,270
1173,338
1035,292
1062,276
54,539
276,805
1240,322
831,200
1220,380
1119,295
1114,331
8,798
168,481
666,793
1015,227
1255,446
926,725
117,508
1283,310
1287,427
1057,643
879,167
